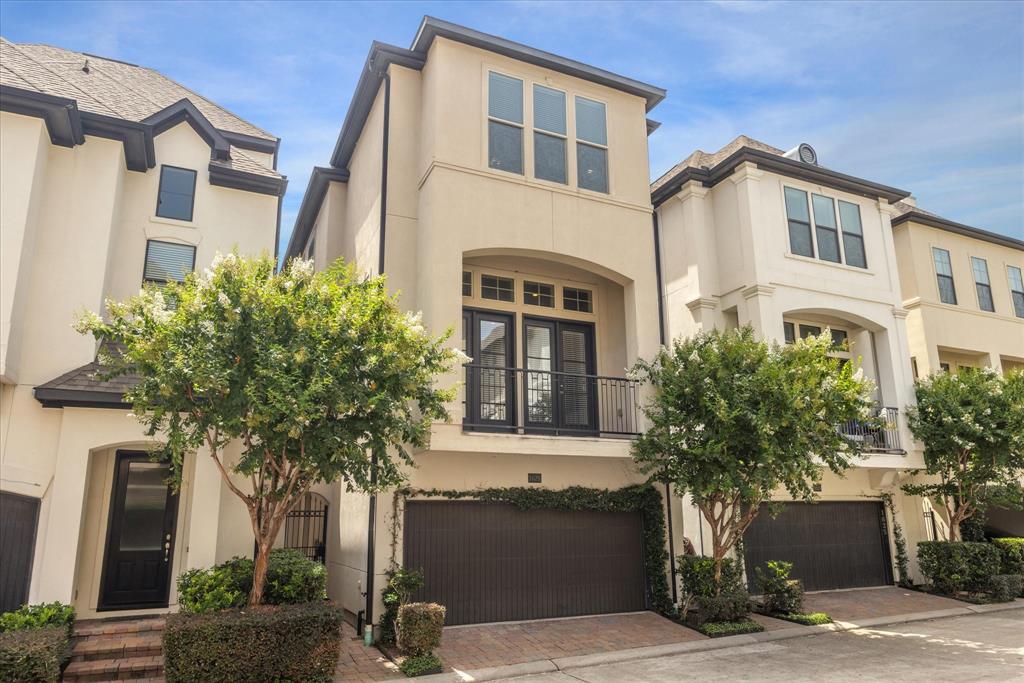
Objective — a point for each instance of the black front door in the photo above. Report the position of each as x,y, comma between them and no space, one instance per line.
559,388
140,535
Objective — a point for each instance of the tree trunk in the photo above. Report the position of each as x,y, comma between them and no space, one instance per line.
259,574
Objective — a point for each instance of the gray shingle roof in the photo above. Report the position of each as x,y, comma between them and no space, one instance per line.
86,386
702,159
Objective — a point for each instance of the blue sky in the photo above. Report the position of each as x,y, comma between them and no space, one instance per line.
928,97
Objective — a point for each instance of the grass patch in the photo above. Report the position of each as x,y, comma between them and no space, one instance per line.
718,629
811,619
421,665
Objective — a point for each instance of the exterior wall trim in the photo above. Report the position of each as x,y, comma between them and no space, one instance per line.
250,182
958,228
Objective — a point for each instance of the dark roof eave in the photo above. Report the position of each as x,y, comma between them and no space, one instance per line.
652,126
313,198
958,228
60,114
250,182
74,398
183,110
783,166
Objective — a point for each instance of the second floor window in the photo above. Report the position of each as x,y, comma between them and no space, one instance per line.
981,284
1016,289
800,240
944,276
853,234
549,134
825,228
176,196
505,123
836,237
591,145
168,262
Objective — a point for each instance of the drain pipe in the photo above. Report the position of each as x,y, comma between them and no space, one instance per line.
661,337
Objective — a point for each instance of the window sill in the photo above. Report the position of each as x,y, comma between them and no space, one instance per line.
173,221
830,264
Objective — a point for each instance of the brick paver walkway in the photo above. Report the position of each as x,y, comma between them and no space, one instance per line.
875,602
477,647
361,664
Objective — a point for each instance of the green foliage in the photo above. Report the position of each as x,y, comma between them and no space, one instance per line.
283,643
1012,550
39,616
972,428
291,578
779,593
34,654
1006,587
809,619
733,420
718,629
642,498
311,373
902,557
954,567
421,665
402,583
697,575
419,627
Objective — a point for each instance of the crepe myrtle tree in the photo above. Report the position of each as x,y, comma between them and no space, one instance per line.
309,374
733,419
972,427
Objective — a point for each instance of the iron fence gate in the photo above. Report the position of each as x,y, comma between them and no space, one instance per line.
305,528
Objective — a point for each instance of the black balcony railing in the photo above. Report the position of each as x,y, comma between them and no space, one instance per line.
883,439
544,402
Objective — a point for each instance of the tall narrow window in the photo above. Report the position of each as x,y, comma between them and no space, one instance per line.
176,196
549,134
467,283
800,241
591,145
505,123
853,234
825,228
1016,289
167,262
944,274
789,332
982,284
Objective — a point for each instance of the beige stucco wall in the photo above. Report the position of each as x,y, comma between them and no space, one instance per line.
961,334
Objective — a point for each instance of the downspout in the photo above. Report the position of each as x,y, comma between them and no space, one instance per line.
371,527
280,204
661,337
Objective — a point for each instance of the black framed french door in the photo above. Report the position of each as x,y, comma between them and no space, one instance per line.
140,535
489,339
558,380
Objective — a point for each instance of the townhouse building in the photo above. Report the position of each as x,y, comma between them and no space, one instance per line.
111,176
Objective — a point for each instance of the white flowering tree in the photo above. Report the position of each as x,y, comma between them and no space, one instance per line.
308,373
972,428
733,420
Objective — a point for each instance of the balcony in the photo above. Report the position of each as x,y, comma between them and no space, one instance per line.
884,439
521,401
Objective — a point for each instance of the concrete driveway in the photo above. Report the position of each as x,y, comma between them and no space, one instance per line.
979,647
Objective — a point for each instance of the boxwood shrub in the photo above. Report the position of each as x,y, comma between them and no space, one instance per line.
38,616
268,643
779,593
419,627
33,655
292,578
718,629
953,567
1012,550
1006,587
698,578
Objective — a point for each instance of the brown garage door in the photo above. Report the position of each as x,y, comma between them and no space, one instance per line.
18,518
831,545
494,562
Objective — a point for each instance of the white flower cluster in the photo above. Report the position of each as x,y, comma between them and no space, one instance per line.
300,269
87,321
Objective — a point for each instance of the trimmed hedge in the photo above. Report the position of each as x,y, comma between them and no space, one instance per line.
419,627
1012,550
292,578
779,593
33,655
718,629
1006,587
953,567
38,616
284,643
421,665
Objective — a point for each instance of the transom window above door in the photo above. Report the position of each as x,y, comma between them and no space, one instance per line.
497,288
817,229
539,294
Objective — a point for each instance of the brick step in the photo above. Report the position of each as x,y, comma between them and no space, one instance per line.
144,644
127,669
109,627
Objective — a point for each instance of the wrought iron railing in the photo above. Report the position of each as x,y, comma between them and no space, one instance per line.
526,401
878,439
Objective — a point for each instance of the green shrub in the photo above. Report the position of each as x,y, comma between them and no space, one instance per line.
697,573
421,665
402,583
33,654
952,567
779,593
1012,550
1006,587
726,607
717,629
809,619
419,627
292,578
268,643
38,616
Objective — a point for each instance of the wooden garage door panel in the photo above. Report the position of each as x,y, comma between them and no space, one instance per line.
18,518
493,562
831,544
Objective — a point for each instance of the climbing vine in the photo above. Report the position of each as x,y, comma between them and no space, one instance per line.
642,498
902,559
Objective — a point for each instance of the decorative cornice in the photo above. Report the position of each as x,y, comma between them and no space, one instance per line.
692,190
900,313
702,303
747,170
913,303
758,290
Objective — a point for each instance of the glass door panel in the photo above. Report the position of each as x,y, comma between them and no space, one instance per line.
490,384
540,403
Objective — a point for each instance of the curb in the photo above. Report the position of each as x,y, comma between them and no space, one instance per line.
542,666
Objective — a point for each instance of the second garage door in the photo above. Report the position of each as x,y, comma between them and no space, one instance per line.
831,545
490,562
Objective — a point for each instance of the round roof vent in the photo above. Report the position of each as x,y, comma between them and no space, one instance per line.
807,154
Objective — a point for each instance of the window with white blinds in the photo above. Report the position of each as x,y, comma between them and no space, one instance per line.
167,261
505,122
591,145
549,134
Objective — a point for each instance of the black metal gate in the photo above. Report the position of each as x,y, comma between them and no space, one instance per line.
18,518
305,528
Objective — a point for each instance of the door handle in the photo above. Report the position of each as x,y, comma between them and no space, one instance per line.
167,548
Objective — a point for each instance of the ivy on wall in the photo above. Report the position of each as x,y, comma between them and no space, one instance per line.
902,559
642,498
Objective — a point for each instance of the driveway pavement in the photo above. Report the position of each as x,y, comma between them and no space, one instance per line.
979,647
871,603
